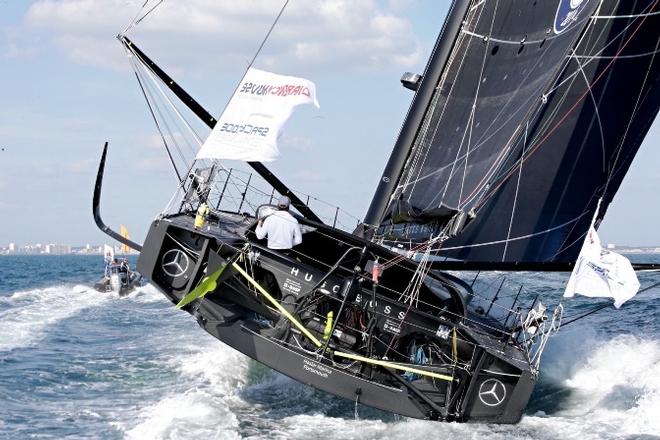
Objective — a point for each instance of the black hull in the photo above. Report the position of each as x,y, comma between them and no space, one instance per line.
237,315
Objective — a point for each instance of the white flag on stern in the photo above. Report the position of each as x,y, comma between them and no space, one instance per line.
600,273
249,127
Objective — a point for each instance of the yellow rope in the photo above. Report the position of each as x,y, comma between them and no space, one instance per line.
316,342
454,346
393,366
277,305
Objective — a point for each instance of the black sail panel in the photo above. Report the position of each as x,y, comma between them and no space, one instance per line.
557,145
507,56
578,148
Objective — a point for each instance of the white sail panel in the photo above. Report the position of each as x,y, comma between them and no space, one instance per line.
602,274
249,127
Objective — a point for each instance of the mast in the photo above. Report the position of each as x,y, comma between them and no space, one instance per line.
417,110
209,120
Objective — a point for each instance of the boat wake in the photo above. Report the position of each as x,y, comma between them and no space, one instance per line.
592,388
27,315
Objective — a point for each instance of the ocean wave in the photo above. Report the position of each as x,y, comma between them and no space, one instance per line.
611,390
202,401
26,315
147,294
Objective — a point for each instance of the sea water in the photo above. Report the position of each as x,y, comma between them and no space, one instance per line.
76,363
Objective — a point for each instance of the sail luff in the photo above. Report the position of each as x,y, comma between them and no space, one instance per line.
572,104
434,69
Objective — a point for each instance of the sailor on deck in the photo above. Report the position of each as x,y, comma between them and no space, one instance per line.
202,212
281,227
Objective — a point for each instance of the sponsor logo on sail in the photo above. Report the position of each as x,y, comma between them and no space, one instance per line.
284,90
248,129
568,12
175,263
492,392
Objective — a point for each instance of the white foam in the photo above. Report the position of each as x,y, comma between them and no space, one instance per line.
615,386
202,402
147,294
618,384
194,414
615,393
30,313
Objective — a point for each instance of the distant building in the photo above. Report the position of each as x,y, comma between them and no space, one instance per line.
611,246
12,248
57,249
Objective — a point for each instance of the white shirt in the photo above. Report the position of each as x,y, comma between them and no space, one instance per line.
282,229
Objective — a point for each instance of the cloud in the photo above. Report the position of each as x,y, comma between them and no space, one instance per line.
322,34
12,51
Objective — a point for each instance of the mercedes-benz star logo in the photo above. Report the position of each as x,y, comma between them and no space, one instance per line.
492,392
175,263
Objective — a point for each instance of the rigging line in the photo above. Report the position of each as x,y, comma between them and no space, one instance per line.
515,198
532,114
132,23
563,246
162,136
568,112
601,307
438,94
419,148
621,57
256,54
147,13
474,104
189,167
186,124
482,141
521,237
560,71
154,100
163,116
611,41
625,16
428,118
169,101
596,115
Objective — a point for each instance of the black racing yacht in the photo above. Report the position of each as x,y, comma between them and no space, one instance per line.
527,113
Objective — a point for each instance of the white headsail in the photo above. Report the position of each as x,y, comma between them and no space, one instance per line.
249,127
600,273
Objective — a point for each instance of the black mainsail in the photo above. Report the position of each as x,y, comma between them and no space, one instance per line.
538,113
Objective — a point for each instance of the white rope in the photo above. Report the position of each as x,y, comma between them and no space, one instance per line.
428,118
649,14
595,56
138,19
596,113
515,198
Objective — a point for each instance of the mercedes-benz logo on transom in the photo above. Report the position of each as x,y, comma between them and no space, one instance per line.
175,263
492,392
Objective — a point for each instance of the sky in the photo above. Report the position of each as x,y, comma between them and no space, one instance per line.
66,87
